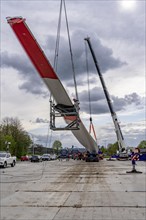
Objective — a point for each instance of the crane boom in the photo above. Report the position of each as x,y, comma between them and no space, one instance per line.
120,138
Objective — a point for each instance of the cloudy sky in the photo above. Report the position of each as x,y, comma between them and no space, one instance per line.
117,33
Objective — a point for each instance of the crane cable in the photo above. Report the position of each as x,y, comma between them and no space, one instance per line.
70,47
56,55
62,3
72,62
57,43
91,127
58,38
49,135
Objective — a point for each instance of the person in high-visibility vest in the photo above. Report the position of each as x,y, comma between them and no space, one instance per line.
135,157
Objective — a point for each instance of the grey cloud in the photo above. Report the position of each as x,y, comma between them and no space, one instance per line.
96,108
104,56
96,94
99,104
48,139
40,120
31,82
17,62
34,84
45,140
33,88
121,103
82,81
133,98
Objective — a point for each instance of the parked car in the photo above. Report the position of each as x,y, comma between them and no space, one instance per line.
64,153
46,157
36,158
92,157
29,157
24,158
53,157
6,159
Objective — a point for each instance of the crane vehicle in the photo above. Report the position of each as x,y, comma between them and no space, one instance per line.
120,139
64,106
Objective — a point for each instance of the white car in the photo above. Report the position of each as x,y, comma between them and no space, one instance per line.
53,157
6,159
46,157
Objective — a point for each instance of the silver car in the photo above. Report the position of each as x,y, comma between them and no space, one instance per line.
46,157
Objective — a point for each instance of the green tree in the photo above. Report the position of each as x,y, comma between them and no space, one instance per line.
10,144
112,149
57,146
103,149
11,131
142,144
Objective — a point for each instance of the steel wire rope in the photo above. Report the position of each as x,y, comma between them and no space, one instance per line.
87,68
57,55
49,137
72,62
89,94
58,38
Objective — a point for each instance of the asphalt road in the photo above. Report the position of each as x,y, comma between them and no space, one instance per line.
73,190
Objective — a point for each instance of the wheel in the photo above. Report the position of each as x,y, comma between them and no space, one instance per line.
13,164
5,164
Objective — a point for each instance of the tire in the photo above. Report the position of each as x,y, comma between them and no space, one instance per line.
5,164
13,164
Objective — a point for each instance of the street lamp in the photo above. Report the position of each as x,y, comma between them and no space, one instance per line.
7,145
34,139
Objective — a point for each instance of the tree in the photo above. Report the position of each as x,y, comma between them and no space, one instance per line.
57,146
12,132
103,149
142,144
112,149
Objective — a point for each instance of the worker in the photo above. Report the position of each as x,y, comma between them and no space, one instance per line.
134,158
100,153
76,105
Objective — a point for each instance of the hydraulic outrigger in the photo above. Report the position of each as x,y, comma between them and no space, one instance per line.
120,138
